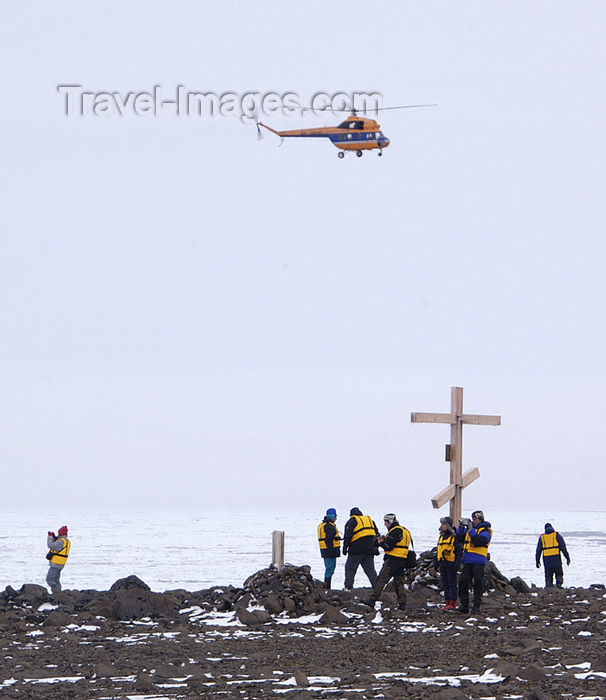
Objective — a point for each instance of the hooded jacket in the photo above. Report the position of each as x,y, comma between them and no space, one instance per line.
553,560
479,537
331,535
57,545
362,545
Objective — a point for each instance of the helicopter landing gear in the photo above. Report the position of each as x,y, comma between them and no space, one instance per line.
359,154
380,152
341,154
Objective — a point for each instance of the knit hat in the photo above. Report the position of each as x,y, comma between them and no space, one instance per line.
62,531
390,518
477,514
548,525
331,514
446,520
355,511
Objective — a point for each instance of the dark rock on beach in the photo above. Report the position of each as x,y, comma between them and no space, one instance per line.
281,634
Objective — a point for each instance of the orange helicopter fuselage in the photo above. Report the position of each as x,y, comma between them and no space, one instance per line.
354,134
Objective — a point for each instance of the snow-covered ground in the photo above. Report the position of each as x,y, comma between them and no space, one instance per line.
195,550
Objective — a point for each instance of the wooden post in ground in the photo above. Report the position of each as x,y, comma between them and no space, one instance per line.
454,452
277,549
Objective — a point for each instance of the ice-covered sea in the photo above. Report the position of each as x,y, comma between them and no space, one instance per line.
195,549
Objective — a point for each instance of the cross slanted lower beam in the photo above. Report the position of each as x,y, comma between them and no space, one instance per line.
456,419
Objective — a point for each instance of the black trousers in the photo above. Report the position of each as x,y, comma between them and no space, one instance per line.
559,576
469,573
448,575
368,565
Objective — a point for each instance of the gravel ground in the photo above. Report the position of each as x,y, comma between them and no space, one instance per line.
237,643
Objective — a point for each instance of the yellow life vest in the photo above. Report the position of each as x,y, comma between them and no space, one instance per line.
336,540
60,557
363,527
550,544
446,547
401,548
469,546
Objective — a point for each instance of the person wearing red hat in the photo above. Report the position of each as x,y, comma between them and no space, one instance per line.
58,546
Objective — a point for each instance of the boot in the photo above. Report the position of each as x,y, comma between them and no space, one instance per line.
450,605
327,582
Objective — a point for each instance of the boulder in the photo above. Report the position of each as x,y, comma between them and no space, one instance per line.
533,674
33,593
252,618
301,678
537,694
333,616
273,604
129,583
135,603
519,585
56,618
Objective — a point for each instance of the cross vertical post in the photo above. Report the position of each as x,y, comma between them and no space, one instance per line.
456,456
458,480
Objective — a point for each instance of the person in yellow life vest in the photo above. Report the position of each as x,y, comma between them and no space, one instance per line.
447,561
395,543
475,536
551,545
330,545
59,546
359,545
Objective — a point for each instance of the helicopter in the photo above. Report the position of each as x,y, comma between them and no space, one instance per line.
355,133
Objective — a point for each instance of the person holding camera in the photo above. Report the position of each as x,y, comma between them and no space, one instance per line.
396,544
58,547
359,545
448,559
475,535
330,545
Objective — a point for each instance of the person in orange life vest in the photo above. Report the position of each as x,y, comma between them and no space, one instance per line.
359,545
330,545
447,561
475,536
395,543
59,546
550,545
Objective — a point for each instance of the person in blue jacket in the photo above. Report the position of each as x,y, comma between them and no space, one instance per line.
551,544
475,534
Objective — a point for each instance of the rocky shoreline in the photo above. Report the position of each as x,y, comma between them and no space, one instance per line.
282,634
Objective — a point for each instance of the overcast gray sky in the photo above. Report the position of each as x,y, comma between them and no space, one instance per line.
192,317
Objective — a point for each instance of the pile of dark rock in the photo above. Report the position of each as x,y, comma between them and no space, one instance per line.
128,599
425,574
269,592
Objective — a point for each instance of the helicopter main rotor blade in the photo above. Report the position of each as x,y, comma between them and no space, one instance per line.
355,110
382,109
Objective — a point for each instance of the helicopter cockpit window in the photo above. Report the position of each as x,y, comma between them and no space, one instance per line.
351,125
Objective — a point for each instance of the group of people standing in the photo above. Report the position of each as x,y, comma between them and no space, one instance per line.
465,548
461,555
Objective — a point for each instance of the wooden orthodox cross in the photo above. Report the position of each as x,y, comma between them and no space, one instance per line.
454,452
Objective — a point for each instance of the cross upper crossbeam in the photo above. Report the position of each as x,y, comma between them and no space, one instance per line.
456,419
468,418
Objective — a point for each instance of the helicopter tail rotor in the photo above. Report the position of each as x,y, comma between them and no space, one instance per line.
258,123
